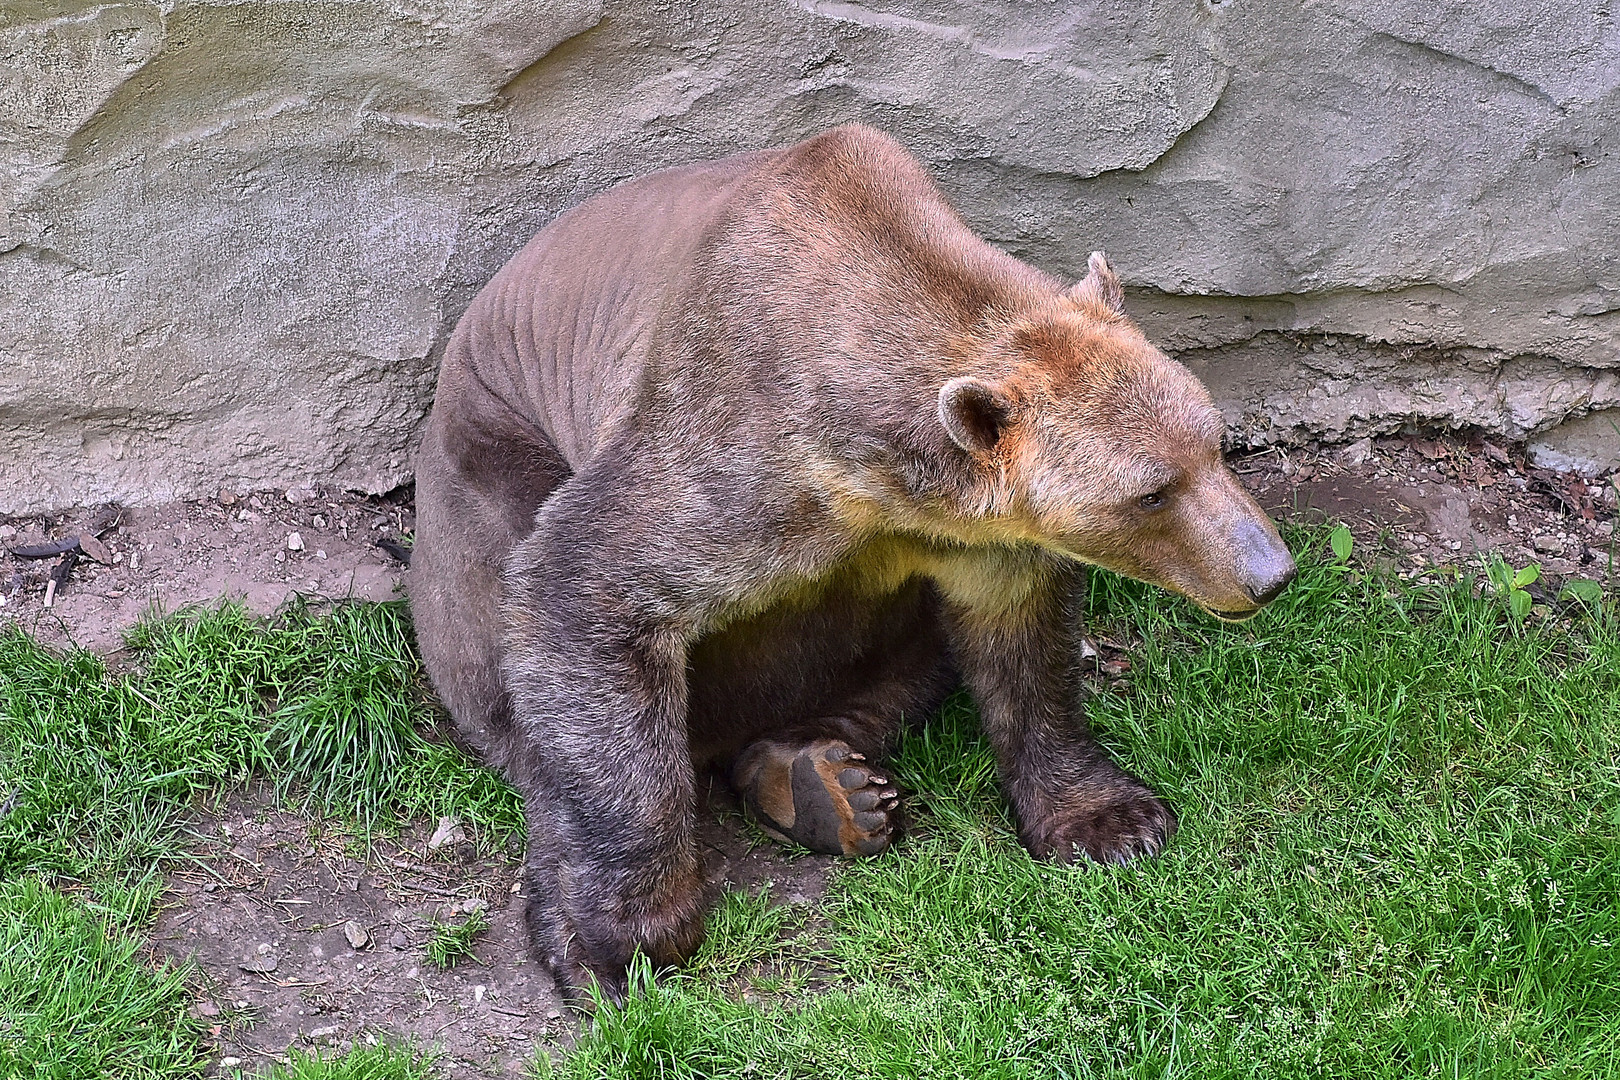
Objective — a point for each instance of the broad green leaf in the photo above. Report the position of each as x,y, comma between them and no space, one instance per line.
1587,592
1526,576
1342,543
1519,602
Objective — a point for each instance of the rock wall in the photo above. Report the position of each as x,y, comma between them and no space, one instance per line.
233,236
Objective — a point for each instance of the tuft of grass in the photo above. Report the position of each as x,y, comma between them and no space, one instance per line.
382,1062
452,941
744,929
100,770
78,997
1399,854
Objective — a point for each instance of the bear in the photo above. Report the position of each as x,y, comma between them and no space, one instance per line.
738,467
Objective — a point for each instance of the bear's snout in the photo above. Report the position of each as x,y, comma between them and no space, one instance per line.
1267,567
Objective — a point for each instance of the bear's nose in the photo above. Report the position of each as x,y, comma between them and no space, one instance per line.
1267,565
1267,593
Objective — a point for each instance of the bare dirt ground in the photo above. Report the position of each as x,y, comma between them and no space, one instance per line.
260,547
305,940
1448,502
267,909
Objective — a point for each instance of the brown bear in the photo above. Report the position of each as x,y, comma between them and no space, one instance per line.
740,465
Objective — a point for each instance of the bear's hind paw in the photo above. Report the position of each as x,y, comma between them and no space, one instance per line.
821,795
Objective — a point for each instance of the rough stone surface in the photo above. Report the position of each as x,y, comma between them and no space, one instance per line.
233,237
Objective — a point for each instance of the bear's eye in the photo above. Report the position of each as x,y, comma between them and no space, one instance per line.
1154,501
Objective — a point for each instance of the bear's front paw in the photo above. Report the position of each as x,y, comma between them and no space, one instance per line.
1112,829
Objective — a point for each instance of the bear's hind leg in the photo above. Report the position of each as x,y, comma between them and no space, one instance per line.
819,793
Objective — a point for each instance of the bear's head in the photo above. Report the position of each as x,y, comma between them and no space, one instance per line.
1105,449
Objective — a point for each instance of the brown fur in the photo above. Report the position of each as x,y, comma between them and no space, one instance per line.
774,448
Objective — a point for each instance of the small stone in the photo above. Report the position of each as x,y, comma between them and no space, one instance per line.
1357,453
399,941
295,542
478,992
95,549
320,553
469,907
255,502
318,521
204,1009
554,1014
1605,528
321,1034
7,532
1547,545
357,935
227,497
229,1062
297,495
259,965
448,832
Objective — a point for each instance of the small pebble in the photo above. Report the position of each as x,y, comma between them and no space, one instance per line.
358,938
399,940
448,832
295,542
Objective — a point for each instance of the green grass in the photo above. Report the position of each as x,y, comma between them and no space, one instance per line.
102,770
1399,855
453,941
99,774
382,1062
77,998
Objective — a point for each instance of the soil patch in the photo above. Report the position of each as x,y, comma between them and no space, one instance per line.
258,547
1447,502
306,938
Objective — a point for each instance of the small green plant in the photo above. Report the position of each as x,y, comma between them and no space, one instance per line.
1512,586
1342,543
452,940
1589,595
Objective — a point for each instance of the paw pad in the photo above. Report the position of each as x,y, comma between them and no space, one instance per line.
821,795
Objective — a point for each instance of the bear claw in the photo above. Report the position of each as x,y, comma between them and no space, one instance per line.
818,795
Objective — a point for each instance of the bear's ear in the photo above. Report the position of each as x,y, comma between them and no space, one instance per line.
1101,287
974,413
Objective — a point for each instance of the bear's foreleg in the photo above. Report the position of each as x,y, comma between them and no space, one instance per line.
1019,660
599,704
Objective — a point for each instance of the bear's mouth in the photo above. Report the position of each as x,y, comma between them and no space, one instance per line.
1232,616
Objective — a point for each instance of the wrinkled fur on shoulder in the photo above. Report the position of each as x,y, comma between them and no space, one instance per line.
775,447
